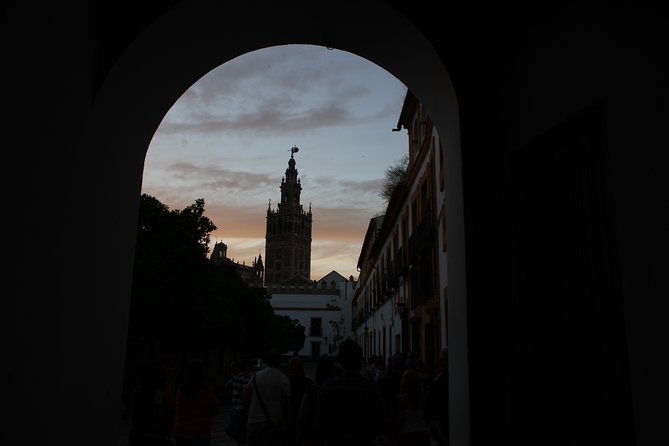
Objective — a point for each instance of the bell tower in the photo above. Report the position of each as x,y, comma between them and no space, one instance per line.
288,234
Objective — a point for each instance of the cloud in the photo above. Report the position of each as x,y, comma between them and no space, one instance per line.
283,89
268,120
290,69
346,186
178,181
328,255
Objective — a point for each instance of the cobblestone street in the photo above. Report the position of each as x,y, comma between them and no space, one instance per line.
218,435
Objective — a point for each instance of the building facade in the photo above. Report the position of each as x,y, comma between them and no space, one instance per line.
322,307
252,275
401,301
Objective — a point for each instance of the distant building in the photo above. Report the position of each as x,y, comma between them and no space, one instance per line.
288,234
252,275
323,307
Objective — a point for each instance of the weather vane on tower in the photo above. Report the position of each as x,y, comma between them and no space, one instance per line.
293,150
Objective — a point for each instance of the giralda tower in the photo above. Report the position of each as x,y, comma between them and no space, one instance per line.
288,234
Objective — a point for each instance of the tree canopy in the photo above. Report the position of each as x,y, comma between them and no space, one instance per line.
394,175
179,294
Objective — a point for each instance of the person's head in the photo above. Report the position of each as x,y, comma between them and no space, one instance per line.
411,387
273,358
350,355
326,369
295,367
244,364
380,363
195,376
170,367
397,362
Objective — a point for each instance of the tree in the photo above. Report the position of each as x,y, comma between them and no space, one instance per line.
179,294
394,175
171,276
289,334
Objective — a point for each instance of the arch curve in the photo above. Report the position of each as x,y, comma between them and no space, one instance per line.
194,37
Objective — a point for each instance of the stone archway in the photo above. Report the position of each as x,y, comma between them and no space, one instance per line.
195,37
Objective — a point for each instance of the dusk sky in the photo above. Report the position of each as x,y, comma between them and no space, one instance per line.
228,139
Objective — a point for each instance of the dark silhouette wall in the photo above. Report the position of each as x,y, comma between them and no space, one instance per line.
557,212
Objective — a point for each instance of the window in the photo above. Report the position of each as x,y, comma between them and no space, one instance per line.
316,326
415,336
315,350
390,345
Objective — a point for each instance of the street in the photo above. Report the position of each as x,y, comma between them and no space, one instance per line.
218,435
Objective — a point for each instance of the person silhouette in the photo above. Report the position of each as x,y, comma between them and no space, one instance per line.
196,405
147,409
236,427
350,409
436,404
307,435
299,385
411,428
268,397
169,393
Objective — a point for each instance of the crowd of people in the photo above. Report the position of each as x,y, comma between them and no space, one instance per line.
392,402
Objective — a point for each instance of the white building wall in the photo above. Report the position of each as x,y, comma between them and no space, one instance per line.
333,308
385,317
